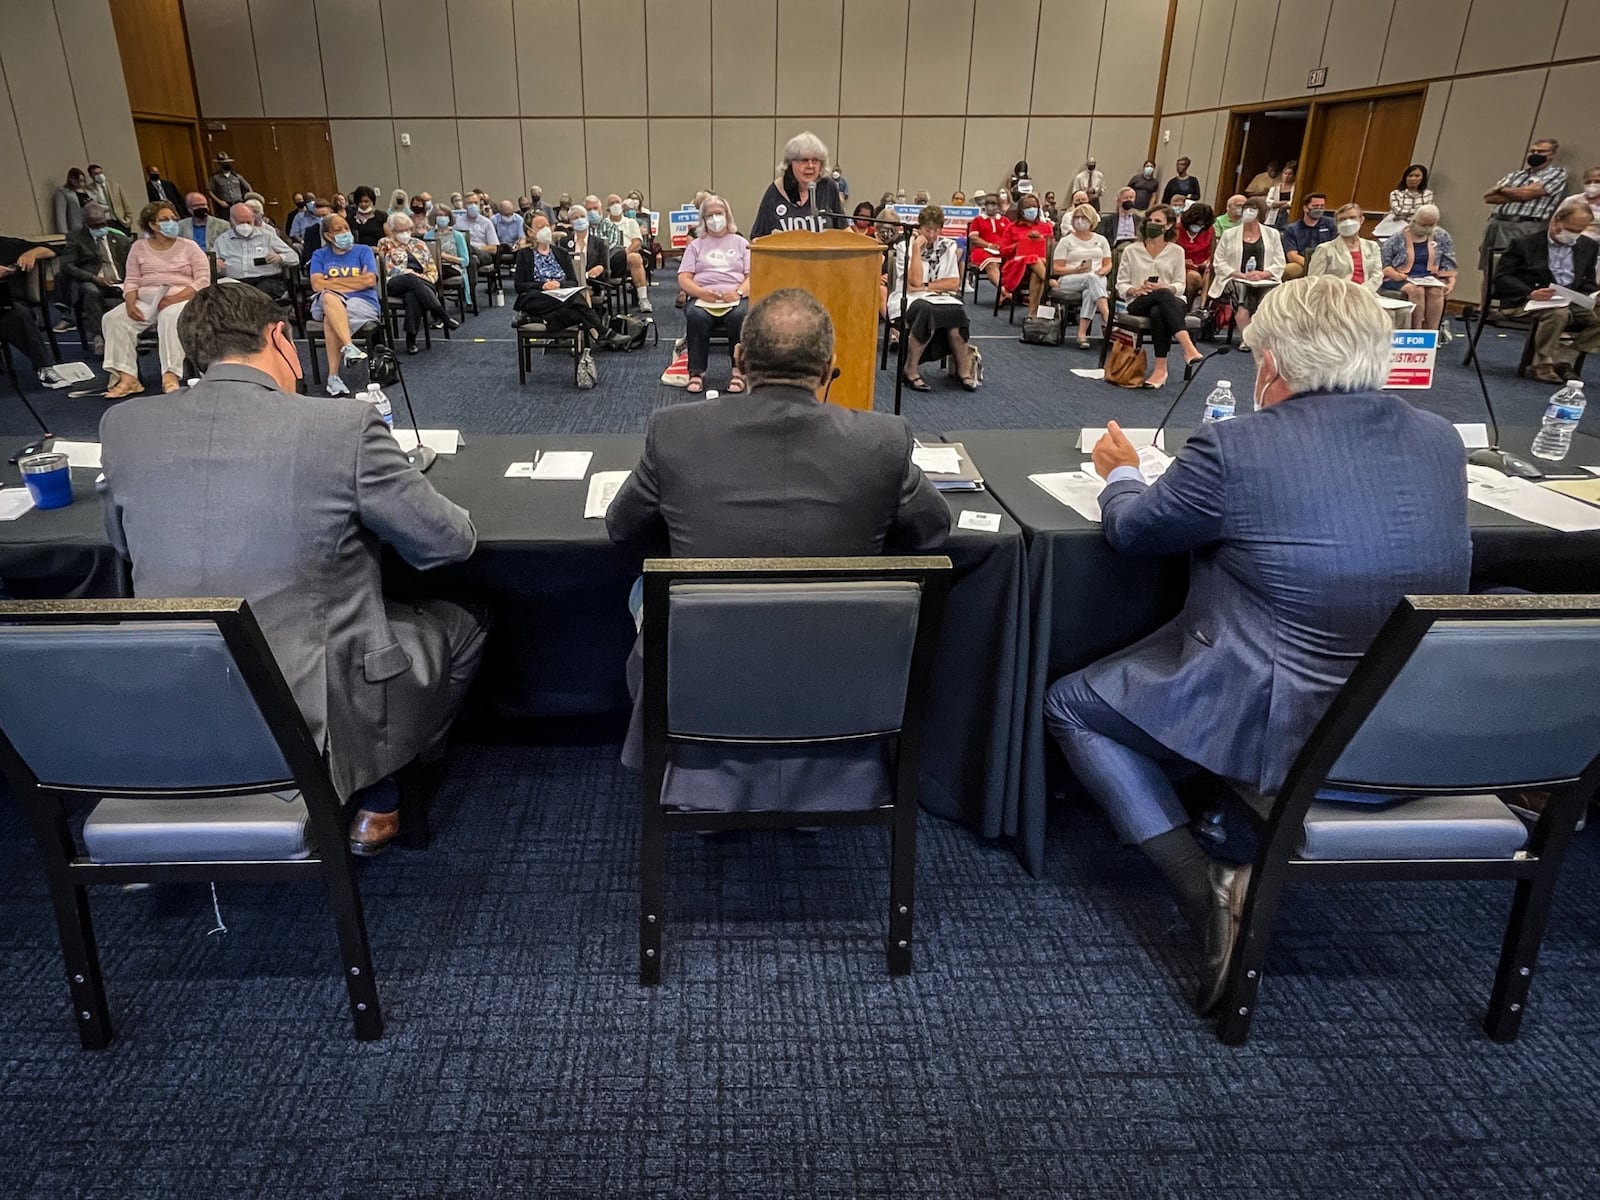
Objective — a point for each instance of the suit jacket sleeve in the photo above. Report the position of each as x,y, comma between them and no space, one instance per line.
1180,511
634,518
922,520
395,502
79,261
1518,274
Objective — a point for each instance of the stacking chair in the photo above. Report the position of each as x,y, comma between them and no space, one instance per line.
1458,698
393,309
1491,311
534,334
785,653
171,722
369,334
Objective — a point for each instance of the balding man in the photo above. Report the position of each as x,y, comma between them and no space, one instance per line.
254,254
1122,226
773,473
1232,216
202,228
1531,268
627,259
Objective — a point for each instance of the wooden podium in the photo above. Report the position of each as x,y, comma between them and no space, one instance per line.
841,270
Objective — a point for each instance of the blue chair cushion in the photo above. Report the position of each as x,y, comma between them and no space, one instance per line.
1469,826
265,826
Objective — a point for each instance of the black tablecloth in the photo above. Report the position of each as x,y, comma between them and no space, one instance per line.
558,590
1086,600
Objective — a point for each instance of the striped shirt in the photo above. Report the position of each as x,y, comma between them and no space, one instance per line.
1540,208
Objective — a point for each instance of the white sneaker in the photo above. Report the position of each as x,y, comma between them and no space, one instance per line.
353,353
336,386
644,303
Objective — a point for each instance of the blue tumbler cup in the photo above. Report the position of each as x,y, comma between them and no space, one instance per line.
49,480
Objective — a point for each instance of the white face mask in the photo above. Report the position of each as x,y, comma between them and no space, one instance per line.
1566,237
1592,190
1349,227
1249,214
716,223
1149,171
1423,231
1081,224
403,236
544,237
244,231
616,210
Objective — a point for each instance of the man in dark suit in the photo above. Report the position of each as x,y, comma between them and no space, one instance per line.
157,188
288,505
96,255
1305,522
773,473
1121,225
1531,264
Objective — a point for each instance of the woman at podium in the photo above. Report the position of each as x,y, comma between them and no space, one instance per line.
801,196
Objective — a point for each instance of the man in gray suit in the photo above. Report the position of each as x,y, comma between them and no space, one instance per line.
1305,523
773,473
240,487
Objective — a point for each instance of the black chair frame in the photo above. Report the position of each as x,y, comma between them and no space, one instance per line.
70,873
1279,827
529,340
1488,301
932,573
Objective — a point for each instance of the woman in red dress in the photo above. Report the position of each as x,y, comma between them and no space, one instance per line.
1197,239
1027,253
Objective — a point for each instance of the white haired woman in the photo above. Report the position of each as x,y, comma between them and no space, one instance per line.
411,274
803,193
715,275
1416,262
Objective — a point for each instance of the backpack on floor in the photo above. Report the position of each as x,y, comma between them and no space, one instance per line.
677,372
627,333
1046,330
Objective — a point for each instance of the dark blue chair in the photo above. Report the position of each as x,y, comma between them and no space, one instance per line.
171,722
1458,699
777,654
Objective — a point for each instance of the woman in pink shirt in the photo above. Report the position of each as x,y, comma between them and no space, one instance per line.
715,274
164,272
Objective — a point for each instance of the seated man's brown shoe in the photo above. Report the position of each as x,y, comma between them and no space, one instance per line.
372,832
1546,373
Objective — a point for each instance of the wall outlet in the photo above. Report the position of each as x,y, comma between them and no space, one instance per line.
405,139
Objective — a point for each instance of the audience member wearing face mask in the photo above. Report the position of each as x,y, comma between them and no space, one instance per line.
1419,265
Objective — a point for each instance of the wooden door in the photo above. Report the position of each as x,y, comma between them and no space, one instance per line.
169,145
1359,148
279,158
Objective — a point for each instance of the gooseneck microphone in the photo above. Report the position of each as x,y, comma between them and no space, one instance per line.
38,445
1492,456
1194,374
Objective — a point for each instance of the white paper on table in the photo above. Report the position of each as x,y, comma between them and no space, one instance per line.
562,464
79,454
1473,436
14,502
1139,437
603,488
940,460
1529,502
1591,470
1089,372
519,470
1078,490
440,441
971,519
1153,464
1388,226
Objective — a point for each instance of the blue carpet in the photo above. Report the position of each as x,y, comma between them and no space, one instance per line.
470,383
1043,1048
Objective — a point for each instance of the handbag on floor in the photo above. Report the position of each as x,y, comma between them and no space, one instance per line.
677,372
1125,365
627,333
1045,330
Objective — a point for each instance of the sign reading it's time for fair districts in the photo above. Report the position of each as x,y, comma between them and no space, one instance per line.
1411,355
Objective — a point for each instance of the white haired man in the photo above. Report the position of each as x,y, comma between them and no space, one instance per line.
1307,522
1531,268
254,253
803,195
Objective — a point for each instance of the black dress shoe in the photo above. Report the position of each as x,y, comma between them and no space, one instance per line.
1229,886
451,323
411,345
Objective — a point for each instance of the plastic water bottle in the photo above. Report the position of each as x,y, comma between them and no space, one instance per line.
1250,265
1219,405
1560,419
376,398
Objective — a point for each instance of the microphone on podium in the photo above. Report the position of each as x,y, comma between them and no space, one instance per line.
1194,374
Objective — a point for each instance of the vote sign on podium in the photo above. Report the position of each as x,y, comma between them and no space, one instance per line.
1411,357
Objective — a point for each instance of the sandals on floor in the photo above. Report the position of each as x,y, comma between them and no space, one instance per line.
917,383
736,383
696,385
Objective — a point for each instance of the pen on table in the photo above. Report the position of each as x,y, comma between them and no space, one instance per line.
537,455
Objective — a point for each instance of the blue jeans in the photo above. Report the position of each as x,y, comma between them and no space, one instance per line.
1127,772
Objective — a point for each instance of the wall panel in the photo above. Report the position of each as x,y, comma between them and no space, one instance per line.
1057,147
291,76
222,47
35,65
869,149
930,155
432,163
1498,36
872,68
549,69
810,45
1130,57
151,34
355,69
680,76
1424,39
741,164
483,51
1067,60
553,158
1434,106
364,152
993,145
937,34
1003,56
1353,49
1119,144
21,209
416,47
1571,90
94,68
1211,53
491,155
1181,62
613,49
1249,51
1580,32
680,163
744,57
618,154
1297,46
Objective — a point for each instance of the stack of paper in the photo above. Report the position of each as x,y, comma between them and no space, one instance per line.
1090,434
79,454
1528,501
14,502
1078,490
553,464
948,467
603,488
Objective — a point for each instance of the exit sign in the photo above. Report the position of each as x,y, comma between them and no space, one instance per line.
1317,78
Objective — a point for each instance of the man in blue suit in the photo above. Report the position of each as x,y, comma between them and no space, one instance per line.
1306,522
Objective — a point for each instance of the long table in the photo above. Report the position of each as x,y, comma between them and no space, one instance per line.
1086,600
558,589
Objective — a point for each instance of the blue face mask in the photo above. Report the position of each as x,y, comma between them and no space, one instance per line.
343,241
170,228
472,210
102,231
579,224
442,221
